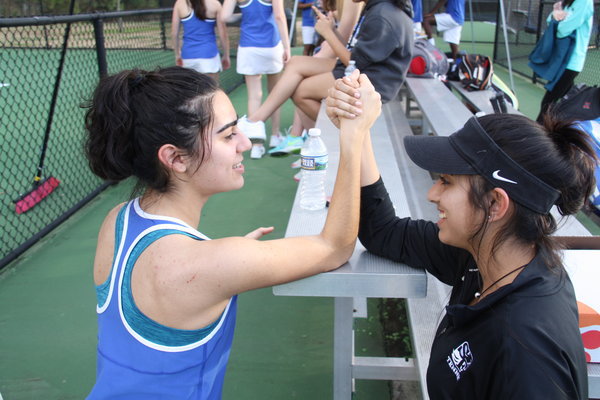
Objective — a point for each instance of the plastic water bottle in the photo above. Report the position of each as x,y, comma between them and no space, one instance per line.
313,158
351,67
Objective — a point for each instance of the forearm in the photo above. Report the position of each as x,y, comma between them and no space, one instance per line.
283,33
279,16
338,47
341,226
369,172
349,19
224,36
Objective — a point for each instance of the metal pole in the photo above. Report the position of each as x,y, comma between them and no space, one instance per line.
503,17
293,22
472,28
100,47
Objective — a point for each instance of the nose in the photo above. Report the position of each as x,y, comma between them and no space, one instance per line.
244,144
433,195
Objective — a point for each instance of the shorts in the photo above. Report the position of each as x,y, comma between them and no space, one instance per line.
308,35
260,60
452,29
204,65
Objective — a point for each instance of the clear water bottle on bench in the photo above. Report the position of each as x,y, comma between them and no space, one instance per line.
313,158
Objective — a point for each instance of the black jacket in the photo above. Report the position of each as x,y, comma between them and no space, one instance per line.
520,342
382,46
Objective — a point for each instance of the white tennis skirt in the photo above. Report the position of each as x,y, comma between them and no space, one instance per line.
203,65
259,60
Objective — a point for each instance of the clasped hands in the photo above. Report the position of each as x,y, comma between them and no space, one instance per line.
352,102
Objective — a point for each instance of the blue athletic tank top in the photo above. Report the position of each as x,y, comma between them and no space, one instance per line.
258,27
138,358
199,40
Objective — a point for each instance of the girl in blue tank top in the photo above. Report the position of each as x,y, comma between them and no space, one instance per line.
167,294
199,49
263,49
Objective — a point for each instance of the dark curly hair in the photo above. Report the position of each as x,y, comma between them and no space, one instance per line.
133,113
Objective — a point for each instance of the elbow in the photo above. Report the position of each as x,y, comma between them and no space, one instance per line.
280,18
340,256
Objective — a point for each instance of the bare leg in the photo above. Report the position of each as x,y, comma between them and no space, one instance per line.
307,122
254,88
454,50
428,23
276,116
297,127
298,69
309,94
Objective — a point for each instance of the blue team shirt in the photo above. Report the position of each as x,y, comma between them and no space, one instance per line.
456,9
199,40
308,15
417,10
138,358
258,27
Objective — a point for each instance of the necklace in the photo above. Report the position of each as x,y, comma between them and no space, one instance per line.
478,294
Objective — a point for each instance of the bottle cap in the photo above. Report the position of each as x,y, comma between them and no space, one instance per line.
314,132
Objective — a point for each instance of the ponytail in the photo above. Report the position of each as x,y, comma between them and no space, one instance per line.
109,146
578,154
133,113
199,8
557,153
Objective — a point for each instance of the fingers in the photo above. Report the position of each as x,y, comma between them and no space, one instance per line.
260,232
318,13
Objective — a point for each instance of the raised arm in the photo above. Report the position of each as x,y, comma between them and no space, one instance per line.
280,20
242,264
325,27
348,20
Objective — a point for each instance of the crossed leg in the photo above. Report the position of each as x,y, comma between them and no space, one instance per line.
297,70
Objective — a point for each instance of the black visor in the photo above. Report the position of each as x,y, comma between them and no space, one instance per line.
471,151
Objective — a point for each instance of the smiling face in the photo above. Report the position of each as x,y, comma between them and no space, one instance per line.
458,219
223,170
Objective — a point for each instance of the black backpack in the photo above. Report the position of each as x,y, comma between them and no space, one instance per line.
475,71
427,60
581,103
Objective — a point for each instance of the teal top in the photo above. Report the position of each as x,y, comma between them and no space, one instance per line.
579,18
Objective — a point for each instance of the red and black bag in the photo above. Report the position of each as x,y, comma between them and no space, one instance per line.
427,60
475,71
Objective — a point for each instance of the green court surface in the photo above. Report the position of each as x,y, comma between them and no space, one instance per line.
283,345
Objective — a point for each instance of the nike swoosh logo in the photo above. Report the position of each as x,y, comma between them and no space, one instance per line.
496,175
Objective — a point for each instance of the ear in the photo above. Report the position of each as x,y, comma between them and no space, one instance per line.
500,204
172,158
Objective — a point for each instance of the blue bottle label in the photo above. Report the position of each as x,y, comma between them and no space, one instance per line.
314,163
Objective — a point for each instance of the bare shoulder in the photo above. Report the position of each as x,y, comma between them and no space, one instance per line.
106,244
213,7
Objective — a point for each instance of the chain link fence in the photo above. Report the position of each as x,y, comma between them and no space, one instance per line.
525,24
48,67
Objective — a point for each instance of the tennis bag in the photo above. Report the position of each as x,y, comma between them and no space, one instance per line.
427,60
582,104
475,71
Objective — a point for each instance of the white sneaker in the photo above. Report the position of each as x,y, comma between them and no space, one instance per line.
255,131
276,139
298,176
258,150
296,164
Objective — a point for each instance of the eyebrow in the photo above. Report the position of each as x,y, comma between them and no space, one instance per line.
232,123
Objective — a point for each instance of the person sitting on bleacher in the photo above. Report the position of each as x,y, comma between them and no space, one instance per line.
511,325
381,44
